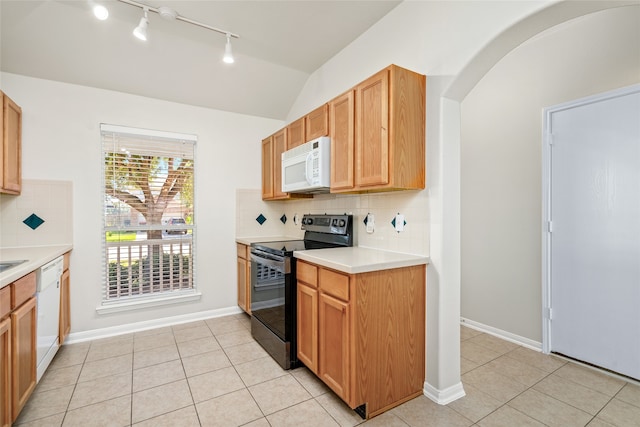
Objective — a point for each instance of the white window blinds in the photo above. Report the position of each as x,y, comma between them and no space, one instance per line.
149,224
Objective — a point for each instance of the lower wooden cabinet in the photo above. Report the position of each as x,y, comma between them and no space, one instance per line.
307,323
65,307
244,277
23,354
363,334
5,373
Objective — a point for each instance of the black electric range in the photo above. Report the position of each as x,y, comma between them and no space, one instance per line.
273,282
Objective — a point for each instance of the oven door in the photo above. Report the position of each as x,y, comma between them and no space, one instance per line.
271,291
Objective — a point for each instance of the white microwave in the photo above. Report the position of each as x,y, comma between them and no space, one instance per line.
305,168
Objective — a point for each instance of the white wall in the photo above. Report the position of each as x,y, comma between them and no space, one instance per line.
501,158
61,141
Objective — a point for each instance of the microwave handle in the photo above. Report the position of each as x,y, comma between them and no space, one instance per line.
308,167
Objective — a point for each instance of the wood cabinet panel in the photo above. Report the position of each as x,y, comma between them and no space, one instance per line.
390,321
334,341
335,284
23,354
11,156
5,373
317,123
64,324
372,130
341,116
23,289
267,168
279,147
296,134
307,273
307,323
5,301
242,283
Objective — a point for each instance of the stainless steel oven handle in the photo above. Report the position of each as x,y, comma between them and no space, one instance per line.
282,264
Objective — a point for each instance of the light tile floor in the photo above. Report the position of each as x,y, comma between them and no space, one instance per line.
212,373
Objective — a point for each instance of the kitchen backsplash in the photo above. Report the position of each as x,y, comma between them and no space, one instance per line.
50,201
413,205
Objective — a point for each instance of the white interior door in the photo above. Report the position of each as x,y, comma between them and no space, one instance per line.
594,208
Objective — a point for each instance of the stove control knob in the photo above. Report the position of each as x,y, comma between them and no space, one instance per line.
309,221
334,222
342,223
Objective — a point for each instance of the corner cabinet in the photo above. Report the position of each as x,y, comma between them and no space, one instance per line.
363,334
378,133
244,277
11,150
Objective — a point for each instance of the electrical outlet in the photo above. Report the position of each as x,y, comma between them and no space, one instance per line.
370,223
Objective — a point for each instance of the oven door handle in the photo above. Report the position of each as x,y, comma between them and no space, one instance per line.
279,264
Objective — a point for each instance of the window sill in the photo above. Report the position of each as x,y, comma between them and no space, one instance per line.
147,303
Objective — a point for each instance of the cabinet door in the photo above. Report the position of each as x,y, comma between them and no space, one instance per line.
248,286
333,347
5,373
12,136
308,326
296,134
23,354
316,123
267,168
279,147
65,306
372,130
341,117
242,283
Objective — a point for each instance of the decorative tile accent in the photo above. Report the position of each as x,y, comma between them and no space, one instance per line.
393,222
261,219
283,218
33,221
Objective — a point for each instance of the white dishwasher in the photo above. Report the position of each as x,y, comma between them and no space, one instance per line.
48,297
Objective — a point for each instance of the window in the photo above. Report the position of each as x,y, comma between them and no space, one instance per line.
149,224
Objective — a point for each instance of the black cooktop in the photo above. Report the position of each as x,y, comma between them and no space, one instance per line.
287,247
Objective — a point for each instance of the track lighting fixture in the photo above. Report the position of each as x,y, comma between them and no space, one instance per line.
228,55
141,30
169,14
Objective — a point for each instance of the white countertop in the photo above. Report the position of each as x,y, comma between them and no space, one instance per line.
263,239
36,257
355,260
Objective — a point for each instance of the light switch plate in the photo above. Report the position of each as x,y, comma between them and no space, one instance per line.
399,223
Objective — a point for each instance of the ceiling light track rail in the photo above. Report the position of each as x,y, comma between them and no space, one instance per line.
177,16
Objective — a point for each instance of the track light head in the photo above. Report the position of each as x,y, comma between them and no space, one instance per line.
100,12
228,55
141,30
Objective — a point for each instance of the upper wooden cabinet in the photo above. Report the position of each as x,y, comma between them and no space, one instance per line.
389,134
316,123
295,134
312,126
272,149
342,118
11,152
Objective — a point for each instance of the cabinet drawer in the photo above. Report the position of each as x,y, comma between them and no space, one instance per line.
5,301
23,289
334,284
307,273
242,250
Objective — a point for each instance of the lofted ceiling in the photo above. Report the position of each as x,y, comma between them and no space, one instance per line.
281,43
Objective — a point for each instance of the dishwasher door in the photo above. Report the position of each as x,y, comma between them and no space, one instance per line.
48,297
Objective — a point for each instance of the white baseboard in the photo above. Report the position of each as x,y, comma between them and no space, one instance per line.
507,336
446,396
128,328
